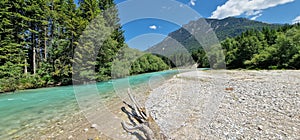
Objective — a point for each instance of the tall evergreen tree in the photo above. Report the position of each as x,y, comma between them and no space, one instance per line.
12,51
115,41
41,40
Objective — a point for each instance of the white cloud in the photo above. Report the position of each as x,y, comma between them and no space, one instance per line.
153,27
193,2
248,7
253,12
255,17
296,20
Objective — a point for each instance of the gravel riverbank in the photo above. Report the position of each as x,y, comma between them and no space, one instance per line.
229,105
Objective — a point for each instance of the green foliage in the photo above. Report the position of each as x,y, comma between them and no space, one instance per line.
201,58
240,38
56,42
131,61
266,49
148,63
91,42
255,49
24,82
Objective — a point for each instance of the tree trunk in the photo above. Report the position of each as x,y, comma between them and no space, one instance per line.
25,67
45,44
33,60
33,53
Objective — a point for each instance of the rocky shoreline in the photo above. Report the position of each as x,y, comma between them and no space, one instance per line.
229,104
244,105
78,127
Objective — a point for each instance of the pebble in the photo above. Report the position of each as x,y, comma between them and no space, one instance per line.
260,97
93,125
259,128
85,129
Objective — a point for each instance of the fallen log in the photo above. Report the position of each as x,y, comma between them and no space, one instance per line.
141,120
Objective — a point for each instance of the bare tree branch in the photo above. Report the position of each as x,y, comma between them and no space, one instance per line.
145,123
142,127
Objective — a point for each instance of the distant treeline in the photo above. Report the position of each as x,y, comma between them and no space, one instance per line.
258,49
42,40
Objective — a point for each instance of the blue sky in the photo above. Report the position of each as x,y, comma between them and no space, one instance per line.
147,22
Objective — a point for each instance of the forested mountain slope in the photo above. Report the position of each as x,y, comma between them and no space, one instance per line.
224,28
258,49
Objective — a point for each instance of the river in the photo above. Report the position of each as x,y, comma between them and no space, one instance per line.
23,111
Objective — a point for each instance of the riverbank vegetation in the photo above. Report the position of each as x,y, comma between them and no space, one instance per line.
42,40
258,49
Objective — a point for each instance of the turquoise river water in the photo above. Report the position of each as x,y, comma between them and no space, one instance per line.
23,111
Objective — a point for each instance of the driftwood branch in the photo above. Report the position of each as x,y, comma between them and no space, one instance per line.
142,127
141,120
137,107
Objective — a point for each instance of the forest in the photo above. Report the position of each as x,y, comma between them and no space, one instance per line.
258,49
46,42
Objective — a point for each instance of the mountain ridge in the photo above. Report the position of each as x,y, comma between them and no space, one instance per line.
223,28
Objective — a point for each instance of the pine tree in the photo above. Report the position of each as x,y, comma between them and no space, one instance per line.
12,44
36,21
90,42
114,43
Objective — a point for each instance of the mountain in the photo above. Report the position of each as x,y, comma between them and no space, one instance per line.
231,26
208,32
